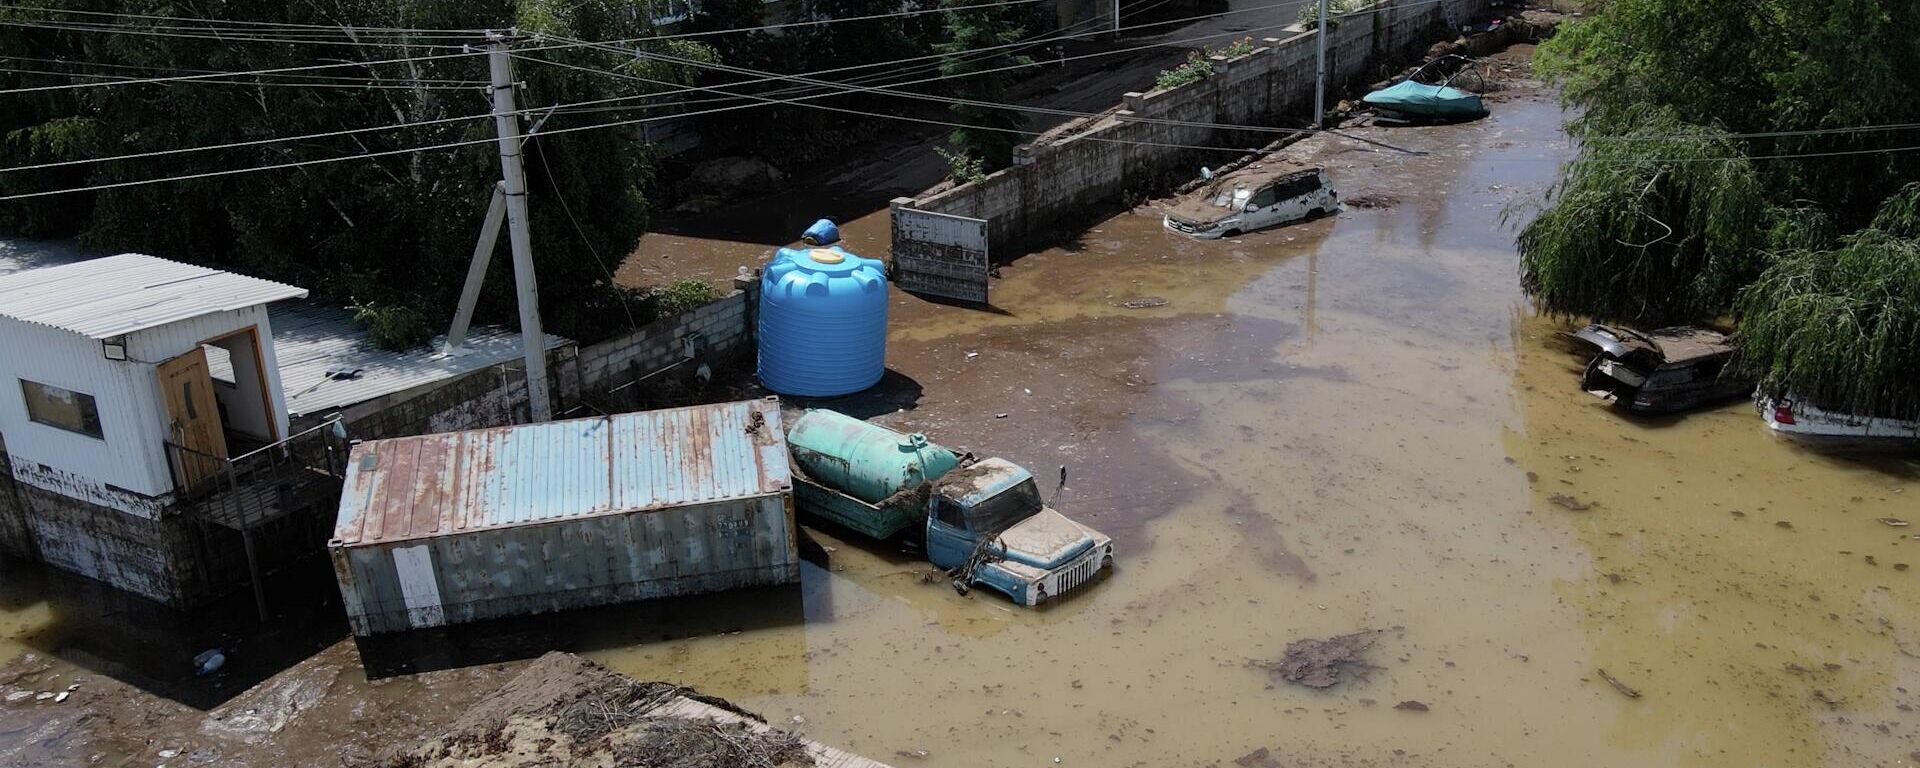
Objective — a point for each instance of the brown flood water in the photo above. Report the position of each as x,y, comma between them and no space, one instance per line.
1355,423
1330,428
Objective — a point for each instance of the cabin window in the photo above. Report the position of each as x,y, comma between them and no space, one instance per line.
947,512
63,408
1266,197
1299,186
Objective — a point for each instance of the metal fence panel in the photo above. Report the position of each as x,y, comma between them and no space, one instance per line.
940,254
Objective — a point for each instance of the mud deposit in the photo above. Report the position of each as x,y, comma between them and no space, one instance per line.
565,710
1321,663
1353,422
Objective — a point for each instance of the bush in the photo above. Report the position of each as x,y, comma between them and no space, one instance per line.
679,296
962,168
1199,64
1310,13
393,327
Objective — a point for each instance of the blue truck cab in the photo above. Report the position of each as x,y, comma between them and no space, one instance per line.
987,524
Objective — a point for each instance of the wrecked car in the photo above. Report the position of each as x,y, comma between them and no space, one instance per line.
983,521
1804,422
1245,201
1414,100
1661,371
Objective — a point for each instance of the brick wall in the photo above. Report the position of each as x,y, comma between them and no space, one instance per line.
1094,161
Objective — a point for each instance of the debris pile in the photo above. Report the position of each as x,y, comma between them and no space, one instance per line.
1320,663
565,710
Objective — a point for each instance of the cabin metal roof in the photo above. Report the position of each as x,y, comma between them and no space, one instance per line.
434,485
116,295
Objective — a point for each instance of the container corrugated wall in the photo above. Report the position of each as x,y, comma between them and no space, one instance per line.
443,529
569,563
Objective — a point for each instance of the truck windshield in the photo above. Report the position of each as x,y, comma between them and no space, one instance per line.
1005,508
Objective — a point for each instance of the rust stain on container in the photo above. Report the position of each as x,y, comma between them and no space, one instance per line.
454,527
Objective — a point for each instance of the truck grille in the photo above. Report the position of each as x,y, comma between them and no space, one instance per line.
1077,574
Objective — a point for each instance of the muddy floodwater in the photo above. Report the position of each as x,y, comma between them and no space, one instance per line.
1355,423
1350,424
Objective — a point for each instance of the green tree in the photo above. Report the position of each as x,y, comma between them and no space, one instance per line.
994,130
389,234
1838,326
1728,148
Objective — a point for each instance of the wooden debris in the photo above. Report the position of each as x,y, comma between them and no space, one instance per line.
1623,688
1569,502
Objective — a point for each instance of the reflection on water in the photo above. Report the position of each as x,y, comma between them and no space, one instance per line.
151,647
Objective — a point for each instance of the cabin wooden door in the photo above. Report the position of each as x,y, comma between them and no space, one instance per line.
193,417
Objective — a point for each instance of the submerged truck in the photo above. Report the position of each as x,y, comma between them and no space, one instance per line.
983,520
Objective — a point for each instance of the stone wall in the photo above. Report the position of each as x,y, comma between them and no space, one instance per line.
1087,164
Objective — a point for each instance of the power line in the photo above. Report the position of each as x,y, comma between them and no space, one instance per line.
928,121
277,24
577,107
678,89
588,127
275,70
267,83
1736,158
550,132
1021,108
235,38
1765,134
609,46
343,78
816,22
252,143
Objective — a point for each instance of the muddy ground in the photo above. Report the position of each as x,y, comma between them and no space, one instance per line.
1349,423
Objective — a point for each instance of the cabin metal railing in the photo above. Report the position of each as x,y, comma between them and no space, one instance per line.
249,490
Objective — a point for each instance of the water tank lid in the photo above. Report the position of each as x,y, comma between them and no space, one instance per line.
825,256
914,441
823,232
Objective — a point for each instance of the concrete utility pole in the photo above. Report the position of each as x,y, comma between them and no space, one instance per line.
1320,71
513,178
1116,18
477,269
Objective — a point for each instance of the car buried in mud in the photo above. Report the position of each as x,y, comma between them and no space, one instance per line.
1252,199
1812,425
1661,371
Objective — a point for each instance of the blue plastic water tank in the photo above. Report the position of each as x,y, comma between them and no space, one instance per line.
823,322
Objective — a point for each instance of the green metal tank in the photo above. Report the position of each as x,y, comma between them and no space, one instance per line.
862,460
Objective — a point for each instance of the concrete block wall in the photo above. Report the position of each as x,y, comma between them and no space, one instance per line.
1098,159
494,396
717,330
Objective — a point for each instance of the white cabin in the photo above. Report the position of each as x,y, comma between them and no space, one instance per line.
104,363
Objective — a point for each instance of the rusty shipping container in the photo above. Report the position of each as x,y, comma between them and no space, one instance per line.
449,528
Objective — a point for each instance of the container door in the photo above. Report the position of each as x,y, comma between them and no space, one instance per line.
193,418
